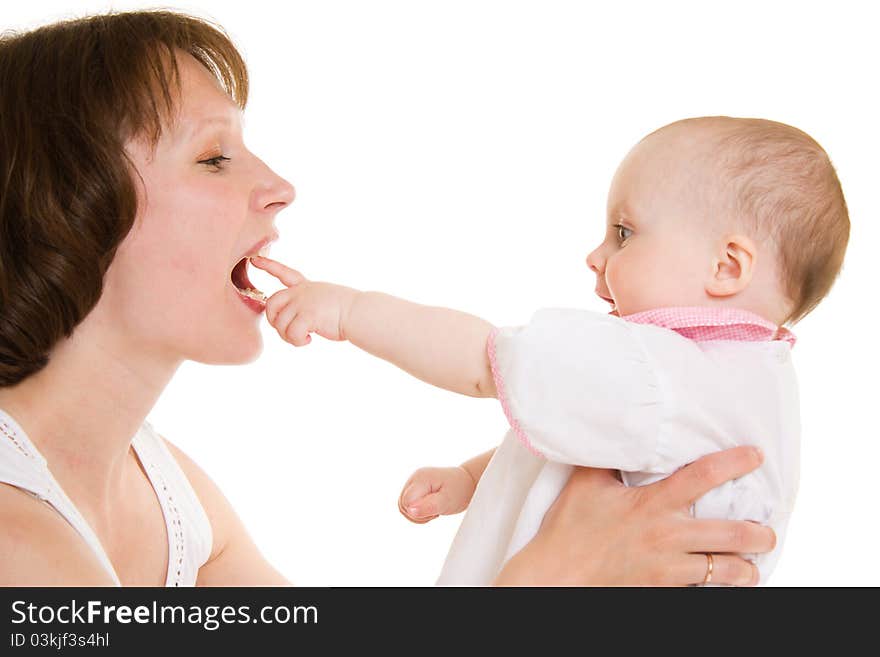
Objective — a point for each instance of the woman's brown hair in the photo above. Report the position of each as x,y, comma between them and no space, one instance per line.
71,94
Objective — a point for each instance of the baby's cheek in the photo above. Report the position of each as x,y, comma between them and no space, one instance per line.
640,281
616,281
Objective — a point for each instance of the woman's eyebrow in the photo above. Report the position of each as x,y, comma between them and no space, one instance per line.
192,129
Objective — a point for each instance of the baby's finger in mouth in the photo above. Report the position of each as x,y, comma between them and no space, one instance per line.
280,271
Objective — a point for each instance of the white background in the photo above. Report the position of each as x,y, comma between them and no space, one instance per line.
459,153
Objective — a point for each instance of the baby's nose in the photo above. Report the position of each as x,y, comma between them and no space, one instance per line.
596,262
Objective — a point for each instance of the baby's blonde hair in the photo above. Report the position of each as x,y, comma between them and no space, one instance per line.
781,184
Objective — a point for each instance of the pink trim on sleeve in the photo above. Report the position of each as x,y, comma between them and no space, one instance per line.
499,389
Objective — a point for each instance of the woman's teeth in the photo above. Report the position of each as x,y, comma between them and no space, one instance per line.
253,294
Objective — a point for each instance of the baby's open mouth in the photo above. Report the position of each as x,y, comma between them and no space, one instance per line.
243,284
611,302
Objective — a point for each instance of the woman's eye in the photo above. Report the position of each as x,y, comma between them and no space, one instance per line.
623,232
215,161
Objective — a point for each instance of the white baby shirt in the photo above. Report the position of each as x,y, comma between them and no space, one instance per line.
646,395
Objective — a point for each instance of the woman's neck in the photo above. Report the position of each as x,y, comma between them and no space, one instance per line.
82,410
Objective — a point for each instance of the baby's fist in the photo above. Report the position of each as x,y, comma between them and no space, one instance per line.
432,492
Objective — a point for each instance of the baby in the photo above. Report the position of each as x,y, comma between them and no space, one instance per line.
719,231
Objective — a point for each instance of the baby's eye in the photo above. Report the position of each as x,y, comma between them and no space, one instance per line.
622,232
215,161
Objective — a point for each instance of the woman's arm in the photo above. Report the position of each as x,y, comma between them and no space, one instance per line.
235,559
443,347
600,532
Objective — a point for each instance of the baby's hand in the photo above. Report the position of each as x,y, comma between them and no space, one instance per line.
305,306
432,492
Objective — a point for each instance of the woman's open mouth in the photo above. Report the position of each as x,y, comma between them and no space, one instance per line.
243,284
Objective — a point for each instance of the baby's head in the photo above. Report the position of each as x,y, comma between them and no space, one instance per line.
744,213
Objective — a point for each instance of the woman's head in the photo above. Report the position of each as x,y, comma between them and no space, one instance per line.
109,195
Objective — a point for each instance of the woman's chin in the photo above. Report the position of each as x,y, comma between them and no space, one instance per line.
247,352
253,355
231,350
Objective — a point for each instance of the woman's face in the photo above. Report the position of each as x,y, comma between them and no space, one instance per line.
169,287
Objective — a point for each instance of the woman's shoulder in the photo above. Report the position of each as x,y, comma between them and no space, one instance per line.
234,559
216,507
39,548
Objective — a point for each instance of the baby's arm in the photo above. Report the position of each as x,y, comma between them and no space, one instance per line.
444,347
433,492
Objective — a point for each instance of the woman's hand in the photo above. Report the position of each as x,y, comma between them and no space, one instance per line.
433,492
600,532
305,306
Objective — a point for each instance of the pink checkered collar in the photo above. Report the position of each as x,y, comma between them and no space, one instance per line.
703,324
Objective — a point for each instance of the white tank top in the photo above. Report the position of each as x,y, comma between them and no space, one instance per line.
189,531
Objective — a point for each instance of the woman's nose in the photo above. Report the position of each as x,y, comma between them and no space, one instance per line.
274,192
286,193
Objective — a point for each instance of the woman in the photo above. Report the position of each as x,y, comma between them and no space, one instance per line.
128,197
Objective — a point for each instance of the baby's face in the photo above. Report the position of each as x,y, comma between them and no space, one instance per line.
657,251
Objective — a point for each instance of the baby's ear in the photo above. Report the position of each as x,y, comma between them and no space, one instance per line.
732,266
